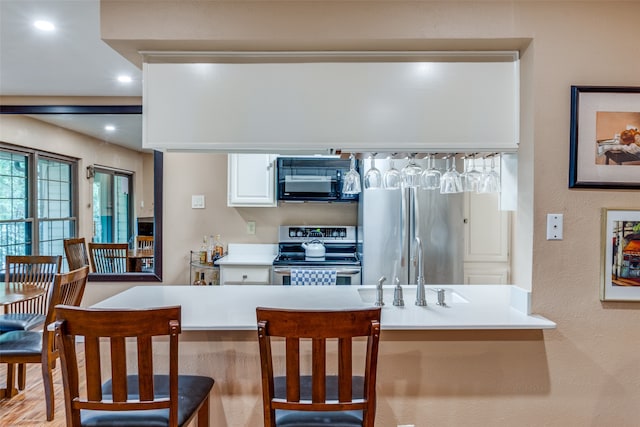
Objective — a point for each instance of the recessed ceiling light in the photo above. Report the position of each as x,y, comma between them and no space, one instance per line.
44,25
109,128
124,79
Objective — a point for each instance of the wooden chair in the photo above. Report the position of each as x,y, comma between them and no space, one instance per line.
108,257
76,252
37,270
127,399
21,347
145,243
319,399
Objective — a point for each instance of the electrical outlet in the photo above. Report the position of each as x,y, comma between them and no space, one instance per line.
251,227
554,226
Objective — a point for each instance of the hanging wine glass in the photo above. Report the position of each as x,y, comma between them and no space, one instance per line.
351,184
450,182
430,178
490,181
391,178
373,177
411,173
470,178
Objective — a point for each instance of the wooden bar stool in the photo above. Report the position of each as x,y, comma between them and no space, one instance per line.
138,397
322,398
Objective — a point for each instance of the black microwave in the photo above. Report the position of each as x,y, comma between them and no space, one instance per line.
313,179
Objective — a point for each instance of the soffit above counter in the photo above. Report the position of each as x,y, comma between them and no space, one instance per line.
319,102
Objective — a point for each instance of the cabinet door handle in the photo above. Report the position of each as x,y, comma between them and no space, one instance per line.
244,277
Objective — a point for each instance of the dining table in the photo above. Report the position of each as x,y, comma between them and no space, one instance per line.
137,257
13,292
10,293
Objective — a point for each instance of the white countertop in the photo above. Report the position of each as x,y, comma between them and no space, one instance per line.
233,307
249,254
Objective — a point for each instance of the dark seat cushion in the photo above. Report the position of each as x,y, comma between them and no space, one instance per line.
192,390
20,321
319,419
21,344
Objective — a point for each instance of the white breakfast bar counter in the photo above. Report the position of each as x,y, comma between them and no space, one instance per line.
465,352
233,307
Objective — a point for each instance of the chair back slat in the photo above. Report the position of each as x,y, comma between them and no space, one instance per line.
119,368
118,328
345,368
39,270
293,369
145,368
108,257
322,390
76,252
318,370
93,373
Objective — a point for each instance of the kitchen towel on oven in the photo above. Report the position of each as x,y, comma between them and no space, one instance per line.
313,277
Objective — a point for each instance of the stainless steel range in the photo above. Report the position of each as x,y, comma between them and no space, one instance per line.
300,251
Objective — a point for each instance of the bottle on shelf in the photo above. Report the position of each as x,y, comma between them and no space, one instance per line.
215,276
200,280
211,250
218,247
203,251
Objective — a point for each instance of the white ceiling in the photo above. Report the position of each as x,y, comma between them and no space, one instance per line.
72,60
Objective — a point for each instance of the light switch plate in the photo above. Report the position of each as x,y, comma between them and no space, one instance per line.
554,226
197,201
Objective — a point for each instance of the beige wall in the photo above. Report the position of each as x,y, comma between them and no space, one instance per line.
584,373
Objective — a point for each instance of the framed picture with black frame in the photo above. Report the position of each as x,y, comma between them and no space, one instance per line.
605,137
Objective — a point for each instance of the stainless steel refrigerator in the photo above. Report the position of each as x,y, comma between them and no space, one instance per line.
389,221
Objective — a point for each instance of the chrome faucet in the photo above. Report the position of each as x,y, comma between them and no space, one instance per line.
420,297
379,302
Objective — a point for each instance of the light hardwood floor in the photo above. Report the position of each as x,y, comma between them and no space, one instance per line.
27,408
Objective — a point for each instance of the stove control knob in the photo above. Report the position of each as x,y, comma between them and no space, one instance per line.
299,233
335,233
343,232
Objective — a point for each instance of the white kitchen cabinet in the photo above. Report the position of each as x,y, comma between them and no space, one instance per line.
251,180
485,275
487,240
245,274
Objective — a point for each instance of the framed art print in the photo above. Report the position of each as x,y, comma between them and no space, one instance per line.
620,255
605,137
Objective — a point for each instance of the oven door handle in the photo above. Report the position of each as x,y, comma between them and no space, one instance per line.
340,271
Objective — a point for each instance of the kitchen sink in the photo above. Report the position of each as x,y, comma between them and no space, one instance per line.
368,295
